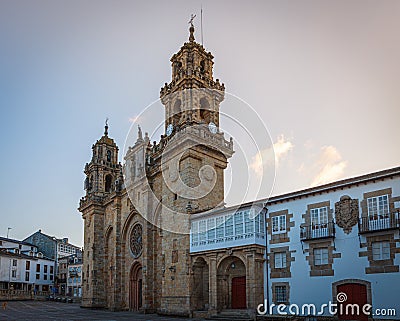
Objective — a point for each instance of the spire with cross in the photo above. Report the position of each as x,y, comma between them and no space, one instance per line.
191,29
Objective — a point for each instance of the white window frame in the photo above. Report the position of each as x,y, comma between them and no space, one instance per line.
321,256
211,232
378,207
220,227
381,251
239,226
202,231
279,224
229,226
319,217
280,260
248,223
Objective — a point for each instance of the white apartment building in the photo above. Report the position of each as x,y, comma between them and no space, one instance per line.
22,267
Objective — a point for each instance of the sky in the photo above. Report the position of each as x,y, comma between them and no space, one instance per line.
324,77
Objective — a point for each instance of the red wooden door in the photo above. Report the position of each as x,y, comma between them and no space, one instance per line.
356,294
239,293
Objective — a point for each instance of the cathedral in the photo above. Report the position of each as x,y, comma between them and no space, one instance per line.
159,239
137,216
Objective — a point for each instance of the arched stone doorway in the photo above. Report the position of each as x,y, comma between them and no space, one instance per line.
200,285
352,292
231,284
135,287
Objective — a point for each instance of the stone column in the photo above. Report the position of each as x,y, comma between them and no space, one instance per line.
212,276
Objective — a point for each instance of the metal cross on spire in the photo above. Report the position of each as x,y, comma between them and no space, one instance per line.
192,16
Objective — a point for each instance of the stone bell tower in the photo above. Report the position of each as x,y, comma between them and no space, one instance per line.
190,160
103,177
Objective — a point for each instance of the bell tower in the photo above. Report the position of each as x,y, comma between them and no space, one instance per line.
192,70
103,171
186,168
103,180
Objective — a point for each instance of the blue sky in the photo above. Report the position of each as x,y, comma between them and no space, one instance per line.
324,77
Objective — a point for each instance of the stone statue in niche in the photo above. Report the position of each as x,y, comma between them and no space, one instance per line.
346,213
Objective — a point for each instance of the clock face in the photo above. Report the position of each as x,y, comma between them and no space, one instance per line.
170,128
212,128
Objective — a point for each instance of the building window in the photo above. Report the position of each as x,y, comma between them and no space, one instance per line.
259,222
380,251
321,256
280,260
229,225
280,294
220,227
378,207
195,235
15,262
319,217
37,276
14,273
211,229
202,230
27,276
45,269
278,224
45,277
28,265
51,269
37,267
238,223
51,277
248,223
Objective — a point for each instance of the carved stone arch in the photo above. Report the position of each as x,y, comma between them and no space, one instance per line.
109,229
135,287
238,255
109,266
200,281
365,283
232,289
132,218
156,219
127,224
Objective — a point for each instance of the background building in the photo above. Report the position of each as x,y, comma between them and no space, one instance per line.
74,281
51,246
24,268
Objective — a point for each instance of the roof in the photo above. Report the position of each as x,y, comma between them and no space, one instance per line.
344,183
16,241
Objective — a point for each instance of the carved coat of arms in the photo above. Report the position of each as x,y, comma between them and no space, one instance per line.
346,213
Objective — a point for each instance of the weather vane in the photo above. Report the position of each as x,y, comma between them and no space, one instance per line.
107,121
192,16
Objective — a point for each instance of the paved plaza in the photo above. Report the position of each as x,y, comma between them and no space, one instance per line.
46,310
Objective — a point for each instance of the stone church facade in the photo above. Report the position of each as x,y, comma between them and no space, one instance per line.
137,216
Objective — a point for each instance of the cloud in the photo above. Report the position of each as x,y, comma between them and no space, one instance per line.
271,155
330,166
134,119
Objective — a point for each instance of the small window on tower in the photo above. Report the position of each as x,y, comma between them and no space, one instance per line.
108,156
202,66
108,183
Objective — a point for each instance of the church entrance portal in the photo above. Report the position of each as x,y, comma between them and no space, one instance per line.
136,280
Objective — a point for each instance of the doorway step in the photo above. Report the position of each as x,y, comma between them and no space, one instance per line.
232,315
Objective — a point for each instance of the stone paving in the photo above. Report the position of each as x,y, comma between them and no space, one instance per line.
45,310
